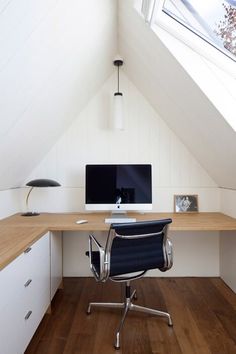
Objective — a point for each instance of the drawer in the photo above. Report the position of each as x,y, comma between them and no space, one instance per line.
34,255
33,316
25,267
19,322
11,281
11,329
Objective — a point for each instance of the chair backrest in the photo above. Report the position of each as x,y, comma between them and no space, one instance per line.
138,247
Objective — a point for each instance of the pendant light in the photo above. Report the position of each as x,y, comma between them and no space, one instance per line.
118,103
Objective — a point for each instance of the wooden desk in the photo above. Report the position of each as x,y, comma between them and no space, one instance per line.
66,221
18,232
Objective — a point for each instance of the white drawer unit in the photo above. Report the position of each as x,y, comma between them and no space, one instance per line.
24,296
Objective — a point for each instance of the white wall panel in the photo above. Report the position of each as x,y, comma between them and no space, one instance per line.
146,139
4,4
228,202
10,202
18,19
228,240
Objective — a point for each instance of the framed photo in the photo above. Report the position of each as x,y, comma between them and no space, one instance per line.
185,203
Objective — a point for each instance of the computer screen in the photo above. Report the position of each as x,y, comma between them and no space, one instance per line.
118,187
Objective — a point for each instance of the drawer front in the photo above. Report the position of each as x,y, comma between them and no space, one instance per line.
18,323
37,274
12,281
11,330
33,315
24,268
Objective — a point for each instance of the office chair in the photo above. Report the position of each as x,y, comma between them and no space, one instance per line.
131,250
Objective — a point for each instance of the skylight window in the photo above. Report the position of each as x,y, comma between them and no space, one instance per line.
207,26
214,21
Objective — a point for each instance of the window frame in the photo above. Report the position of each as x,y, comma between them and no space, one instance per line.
160,19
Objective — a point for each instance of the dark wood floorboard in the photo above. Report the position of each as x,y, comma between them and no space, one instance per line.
203,312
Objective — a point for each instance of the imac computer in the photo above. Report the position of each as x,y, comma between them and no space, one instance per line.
118,188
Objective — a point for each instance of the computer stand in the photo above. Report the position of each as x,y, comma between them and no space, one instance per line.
119,217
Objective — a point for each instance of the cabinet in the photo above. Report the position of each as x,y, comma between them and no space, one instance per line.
56,260
24,296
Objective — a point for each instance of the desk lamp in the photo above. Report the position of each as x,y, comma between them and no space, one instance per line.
38,183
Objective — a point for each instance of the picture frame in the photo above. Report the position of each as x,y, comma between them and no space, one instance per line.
186,203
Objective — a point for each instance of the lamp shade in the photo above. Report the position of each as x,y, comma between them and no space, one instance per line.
43,183
118,111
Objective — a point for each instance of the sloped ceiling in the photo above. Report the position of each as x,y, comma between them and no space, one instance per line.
54,56
177,97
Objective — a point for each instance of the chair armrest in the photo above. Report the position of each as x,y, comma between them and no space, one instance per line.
99,275
93,239
168,254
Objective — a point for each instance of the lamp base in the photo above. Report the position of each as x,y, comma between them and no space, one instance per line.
30,213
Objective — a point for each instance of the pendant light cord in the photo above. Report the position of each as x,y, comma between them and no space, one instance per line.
118,63
118,78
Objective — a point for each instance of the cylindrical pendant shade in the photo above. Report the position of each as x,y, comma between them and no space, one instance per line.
118,111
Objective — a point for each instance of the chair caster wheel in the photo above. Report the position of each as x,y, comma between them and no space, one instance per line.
88,311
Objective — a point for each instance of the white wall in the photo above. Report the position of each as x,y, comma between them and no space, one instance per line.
228,240
10,201
228,201
146,139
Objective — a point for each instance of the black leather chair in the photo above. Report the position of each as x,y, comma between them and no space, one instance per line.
131,250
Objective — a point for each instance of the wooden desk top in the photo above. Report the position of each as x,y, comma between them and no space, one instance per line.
66,221
18,232
14,240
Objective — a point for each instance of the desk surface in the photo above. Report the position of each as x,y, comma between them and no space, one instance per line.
66,221
18,232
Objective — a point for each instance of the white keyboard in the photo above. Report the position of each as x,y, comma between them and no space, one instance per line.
119,220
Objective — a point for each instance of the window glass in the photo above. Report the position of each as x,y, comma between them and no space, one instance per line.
212,20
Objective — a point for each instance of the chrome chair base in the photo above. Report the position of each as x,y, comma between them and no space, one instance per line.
128,306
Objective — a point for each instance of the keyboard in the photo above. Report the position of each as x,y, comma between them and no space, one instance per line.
119,220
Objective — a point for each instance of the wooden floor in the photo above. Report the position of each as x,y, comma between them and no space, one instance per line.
203,312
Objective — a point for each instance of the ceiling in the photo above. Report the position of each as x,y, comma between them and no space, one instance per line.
193,98
56,54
